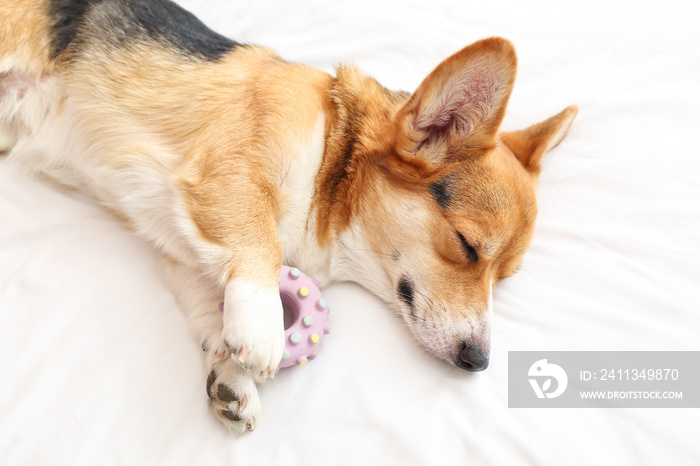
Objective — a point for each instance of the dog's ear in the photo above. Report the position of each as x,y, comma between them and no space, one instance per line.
530,144
458,108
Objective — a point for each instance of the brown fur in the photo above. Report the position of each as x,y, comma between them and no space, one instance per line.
24,33
205,155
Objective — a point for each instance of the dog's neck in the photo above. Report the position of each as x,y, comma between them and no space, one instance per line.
359,121
359,113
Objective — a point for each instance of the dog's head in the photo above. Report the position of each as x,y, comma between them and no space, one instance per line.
452,209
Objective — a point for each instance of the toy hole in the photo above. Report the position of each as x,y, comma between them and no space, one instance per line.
290,308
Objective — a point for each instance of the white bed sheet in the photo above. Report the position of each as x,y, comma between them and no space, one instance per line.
97,366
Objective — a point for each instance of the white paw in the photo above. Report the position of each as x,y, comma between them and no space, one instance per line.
254,327
233,397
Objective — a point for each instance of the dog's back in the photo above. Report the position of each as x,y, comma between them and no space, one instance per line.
128,98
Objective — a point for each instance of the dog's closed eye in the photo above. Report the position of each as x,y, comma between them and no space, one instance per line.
468,248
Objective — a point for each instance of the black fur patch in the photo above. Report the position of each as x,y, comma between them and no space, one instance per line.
442,193
167,22
122,21
405,291
67,15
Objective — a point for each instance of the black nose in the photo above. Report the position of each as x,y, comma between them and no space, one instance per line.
471,358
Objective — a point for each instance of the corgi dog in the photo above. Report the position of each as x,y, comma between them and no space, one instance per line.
233,161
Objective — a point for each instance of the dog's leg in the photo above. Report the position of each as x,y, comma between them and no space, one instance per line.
230,222
254,324
231,389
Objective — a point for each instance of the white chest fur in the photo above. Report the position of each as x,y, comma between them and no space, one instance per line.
296,225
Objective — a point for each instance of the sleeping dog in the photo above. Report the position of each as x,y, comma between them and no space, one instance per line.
232,161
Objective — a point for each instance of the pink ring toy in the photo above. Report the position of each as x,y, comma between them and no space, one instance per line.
305,316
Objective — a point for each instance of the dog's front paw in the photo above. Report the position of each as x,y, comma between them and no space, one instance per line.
253,327
232,396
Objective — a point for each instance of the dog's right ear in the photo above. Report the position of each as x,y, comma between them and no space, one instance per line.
458,108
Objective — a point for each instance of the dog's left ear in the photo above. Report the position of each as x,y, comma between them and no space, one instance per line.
530,144
458,108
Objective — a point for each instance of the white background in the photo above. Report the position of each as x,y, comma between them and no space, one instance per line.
97,365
